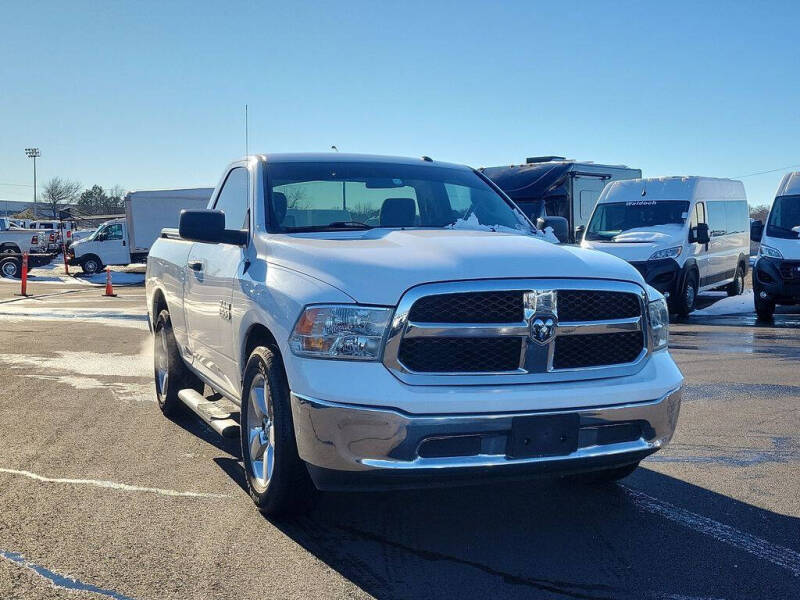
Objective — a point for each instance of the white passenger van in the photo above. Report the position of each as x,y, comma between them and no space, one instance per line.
684,234
776,275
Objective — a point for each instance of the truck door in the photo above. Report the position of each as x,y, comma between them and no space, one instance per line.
210,274
114,247
585,192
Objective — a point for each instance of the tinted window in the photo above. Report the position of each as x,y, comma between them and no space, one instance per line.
232,199
717,218
784,217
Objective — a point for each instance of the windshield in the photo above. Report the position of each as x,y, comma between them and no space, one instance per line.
784,218
93,235
362,195
613,218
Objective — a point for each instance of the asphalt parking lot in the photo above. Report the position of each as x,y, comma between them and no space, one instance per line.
101,496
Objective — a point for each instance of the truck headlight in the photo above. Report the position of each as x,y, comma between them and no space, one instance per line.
667,253
769,251
658,323
340,331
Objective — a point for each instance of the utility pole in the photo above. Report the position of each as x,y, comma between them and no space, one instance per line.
34,154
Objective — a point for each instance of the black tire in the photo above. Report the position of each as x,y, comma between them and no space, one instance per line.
178,376
736,287
11,268
683,302
91,264
765,309
605,475
286,487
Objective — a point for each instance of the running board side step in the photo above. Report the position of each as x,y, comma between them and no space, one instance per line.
215,415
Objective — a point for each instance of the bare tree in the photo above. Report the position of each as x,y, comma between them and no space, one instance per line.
760,212
58,192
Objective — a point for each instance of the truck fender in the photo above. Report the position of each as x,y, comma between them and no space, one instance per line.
689,266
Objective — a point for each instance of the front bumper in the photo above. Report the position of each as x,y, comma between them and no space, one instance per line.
662,274
354,447
770,276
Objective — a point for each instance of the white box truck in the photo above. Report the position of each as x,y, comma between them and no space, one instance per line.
127,240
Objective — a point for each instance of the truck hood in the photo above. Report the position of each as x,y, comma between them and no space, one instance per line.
379,265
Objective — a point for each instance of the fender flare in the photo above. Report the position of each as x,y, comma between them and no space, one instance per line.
689,266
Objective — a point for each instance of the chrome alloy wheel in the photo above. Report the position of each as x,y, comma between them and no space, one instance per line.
10,269
260,434
161,358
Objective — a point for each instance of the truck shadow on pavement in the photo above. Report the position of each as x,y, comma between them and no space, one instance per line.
652,536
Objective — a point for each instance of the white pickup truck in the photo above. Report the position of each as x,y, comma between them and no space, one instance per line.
379,322
14,241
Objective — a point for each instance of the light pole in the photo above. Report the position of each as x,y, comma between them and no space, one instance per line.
34,154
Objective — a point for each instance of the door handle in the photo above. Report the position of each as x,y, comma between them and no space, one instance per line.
196,265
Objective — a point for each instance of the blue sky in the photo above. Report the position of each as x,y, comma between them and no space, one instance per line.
150,95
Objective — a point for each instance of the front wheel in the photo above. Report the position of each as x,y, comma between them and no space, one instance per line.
683,303
765,308
91,265
736,287
277,478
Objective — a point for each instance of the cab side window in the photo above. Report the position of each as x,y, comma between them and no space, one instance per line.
114,232
232,199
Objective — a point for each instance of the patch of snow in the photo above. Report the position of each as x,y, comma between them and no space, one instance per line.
796,229
472,223
733,305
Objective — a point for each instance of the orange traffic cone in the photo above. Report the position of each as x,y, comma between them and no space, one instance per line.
109,287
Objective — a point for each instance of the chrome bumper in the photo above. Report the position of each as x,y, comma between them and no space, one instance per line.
350,447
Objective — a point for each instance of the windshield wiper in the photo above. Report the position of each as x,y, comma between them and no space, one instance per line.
349,225
335,226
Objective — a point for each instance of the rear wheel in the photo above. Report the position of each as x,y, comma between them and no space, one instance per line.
736,287
277,478
683,302
170,372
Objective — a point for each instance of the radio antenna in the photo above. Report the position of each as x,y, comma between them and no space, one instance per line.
246,133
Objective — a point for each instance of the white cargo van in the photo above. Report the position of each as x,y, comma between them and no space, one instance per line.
684,234
127,240
776,274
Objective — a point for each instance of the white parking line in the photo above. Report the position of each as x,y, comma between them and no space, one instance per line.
112,485
777,555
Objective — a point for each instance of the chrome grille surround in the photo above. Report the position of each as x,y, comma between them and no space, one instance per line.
402,327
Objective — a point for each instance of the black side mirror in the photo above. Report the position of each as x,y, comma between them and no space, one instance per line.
701,234
202,225
558,224
579,231
756,230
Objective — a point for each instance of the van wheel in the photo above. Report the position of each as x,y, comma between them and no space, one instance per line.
91,265
277,478
736,287
10,268
683,304
765,309
170,373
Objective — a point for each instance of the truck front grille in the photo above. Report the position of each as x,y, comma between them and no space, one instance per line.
461,355
578,351
789,270
498,331
476,307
